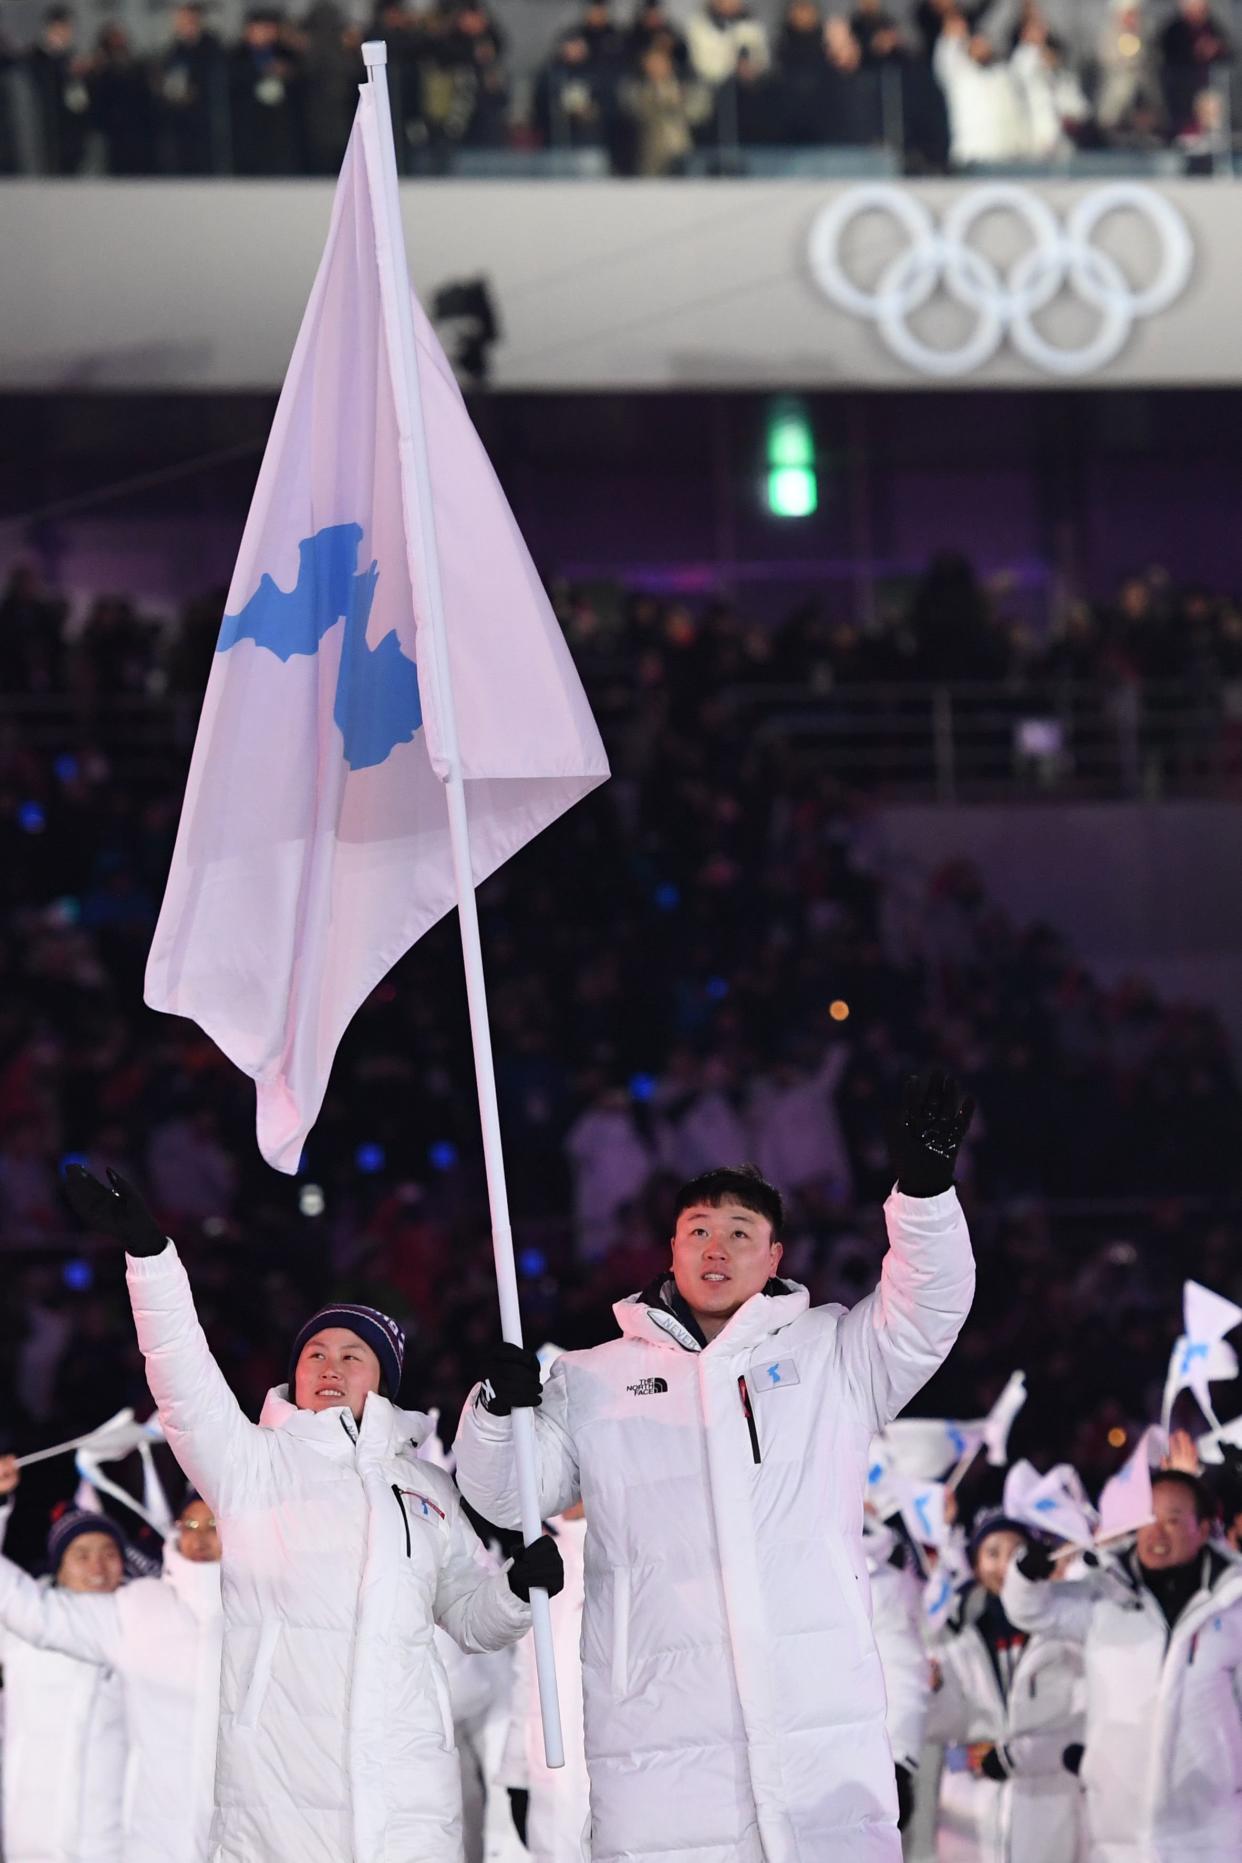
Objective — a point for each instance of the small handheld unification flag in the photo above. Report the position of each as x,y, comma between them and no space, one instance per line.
1125,1500
1055,1503
1201,1355
1001,1418
314,843
924,1447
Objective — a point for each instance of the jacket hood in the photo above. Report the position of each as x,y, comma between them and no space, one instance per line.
383,1424
658,1316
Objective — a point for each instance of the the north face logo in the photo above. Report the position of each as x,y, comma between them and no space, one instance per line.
647,1387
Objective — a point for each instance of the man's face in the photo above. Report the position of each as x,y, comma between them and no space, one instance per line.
335,1368
197,1537
1176,1535
996,1554
721,1257
92,1562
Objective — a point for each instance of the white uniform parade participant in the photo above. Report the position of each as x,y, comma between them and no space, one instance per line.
897,1621
64,1723
1161,1633
341,1554
161,1638
552,1807
1007,1707
734,1703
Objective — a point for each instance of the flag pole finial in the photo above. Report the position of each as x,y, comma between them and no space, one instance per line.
374,53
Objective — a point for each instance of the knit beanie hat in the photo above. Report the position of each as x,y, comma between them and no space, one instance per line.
71,1525
381,1333
995,1520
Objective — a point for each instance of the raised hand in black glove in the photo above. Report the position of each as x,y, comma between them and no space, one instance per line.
1071,1759
119,1212
930,1127
905,1795
1035,1562
519,1805
511,1380
537,1568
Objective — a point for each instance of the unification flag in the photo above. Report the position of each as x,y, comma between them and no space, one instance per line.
314,843
1202,1354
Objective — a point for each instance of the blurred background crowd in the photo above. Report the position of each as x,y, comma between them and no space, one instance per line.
646,87
715,958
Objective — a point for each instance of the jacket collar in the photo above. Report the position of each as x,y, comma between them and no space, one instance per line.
384,1430
659,1316
195,1581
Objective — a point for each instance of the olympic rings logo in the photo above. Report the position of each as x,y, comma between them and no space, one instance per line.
1059,257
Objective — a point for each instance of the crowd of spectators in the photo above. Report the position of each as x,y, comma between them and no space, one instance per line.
951,82
710,959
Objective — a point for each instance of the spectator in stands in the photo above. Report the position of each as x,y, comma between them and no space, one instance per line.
653,26
719,33
801,60
573,98
192,97
31,635
122,105
878,33
464,87
604,38
264,98
59,77
330,63
1053,99
986,117
1128,66
931,17
665,110
749,107
1194,45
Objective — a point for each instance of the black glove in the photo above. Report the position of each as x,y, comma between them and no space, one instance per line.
511,1381
537,1567
930,1127
1071,1759
519,1805
1036,1562
905,1795
119,1212
993,1767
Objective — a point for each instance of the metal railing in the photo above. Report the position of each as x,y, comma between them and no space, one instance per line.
960,741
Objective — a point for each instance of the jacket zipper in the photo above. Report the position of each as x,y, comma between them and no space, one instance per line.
405,1519
749,1414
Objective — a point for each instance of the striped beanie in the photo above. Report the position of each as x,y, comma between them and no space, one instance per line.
381,1333
71,1525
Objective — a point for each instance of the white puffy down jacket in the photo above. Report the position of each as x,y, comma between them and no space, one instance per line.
161,1637
1036,1815
897,1621
734,1702
341,1554
1163,1733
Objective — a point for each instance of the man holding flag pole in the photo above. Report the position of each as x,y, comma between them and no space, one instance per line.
392,711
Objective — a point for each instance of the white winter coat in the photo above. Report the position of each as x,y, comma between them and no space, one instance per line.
987,114
1163,1735
64,1753
714,46
897,1621
558,1815
341,1553
161,1637
734,1703
1035,1816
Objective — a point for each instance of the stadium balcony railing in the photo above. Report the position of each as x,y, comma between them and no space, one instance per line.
948,741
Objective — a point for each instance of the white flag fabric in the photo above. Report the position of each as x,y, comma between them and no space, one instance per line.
1125,1500
1055,1503
314,845
1201,1355
924,1447
1000,1419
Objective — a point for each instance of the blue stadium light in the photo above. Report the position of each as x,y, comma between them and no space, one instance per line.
30,818
66,768
72,1157
370,1159
642,1087
442,1156
78,1275
532,1262
717,989
667,896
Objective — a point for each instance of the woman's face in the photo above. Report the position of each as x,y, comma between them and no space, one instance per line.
92,1562
336,1368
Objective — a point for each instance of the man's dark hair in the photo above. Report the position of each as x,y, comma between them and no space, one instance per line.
1205,1506
736,1183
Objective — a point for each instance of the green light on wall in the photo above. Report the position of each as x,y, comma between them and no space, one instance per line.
793,488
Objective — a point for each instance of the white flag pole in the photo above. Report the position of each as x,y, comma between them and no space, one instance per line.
420,524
